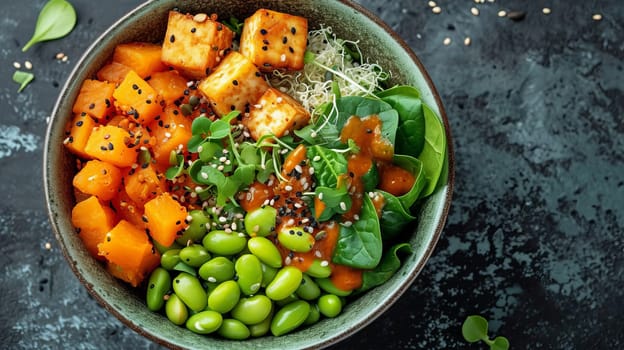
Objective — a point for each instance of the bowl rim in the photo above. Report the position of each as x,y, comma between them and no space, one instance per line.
408,279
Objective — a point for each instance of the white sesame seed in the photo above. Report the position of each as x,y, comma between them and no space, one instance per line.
240,234
266,202
28,65
502,13
316,158
91,178
597,17
320,196
299,169
220,167
59,56
347,223
193,194
189,83
311,171
290,222
48,246
17,65
168,135
324,263
283,58
279,99
222,219
356,217
287,261
203,175
64,59
432,4
288,188
297,205
313,134
189,218
318,254
546,11
233,226
467,41
258,106
222,159
447,41
474,11
212,279
436,10
200,17
343,206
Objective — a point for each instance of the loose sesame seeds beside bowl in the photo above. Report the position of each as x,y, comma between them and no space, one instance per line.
147,23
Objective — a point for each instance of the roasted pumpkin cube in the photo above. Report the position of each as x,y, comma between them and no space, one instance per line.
143,184
165,218
78,133
170,85
113,72
275,40
141,57
127,209
95,98
136,98
170,133
110,144
234,85
98,178
194,45
93,219
275,113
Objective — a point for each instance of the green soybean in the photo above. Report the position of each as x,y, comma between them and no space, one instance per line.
289,317
176,311
295,239
268,274
308,289
223,243
190,291
249,272
204,322
330,305
170,258
285,283
265,250
158,285
262,328
224,297
218,269
289,299
196,229
194,255
260,221
252,310
313,316
234,329
328,286
318,269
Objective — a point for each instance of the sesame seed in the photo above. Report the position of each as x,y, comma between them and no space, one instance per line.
546,11
597,17
287,261
288,188
356,217
298,168
59,56
436,10
324,263
203,175
279,99
240,234
220,167
283,58
432,4
222,159
48,246
212,279
320,196
290,222
222,219
258,106
200,17
17,65
343,206
467,41
233,226
316,158
474,11
28,65
347,223
447,41
502,13
64,59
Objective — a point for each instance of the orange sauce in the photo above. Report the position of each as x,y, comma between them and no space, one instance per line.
255,196
394,179
346,277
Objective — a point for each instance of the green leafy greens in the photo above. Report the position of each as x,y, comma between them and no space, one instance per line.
56,19
22,78
475,328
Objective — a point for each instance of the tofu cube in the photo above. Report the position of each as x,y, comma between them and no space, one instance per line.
235,84
275,113
194,45
275,40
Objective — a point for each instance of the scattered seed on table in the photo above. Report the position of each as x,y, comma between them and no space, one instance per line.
59,56
502,13
447,41
17,65
474,11
436,10
597,17
432,4
28,65
48,245
65,58
467,41
516,15
546,11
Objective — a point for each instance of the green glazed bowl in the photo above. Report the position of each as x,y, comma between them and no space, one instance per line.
148,23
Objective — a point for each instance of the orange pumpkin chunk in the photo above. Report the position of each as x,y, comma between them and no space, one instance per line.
93,220
143,58
129,252
171,131
127,209
95,98
79,132
108,143
98,178
169,85
113,72
165,218
143,184
136,98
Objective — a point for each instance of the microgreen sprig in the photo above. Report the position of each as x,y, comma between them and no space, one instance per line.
475,328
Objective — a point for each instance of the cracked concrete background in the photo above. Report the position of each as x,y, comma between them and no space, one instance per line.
535,237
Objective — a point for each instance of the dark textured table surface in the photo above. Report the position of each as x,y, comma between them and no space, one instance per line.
535,237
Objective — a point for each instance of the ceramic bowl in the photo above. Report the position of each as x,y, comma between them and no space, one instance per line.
147,23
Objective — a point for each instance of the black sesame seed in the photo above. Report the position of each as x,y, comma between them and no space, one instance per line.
235,82
149,102
291,49
103,148
263,31
107,102
258,74
219,27
110,146
232,107
284,40
92,105
265,42
264,48
135,86
172,38
293,30
79,123
178,222
193,30
369,131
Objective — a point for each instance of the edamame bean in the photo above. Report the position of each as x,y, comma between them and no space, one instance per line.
170,258
217,269
313,316
268,274
234,329
265,250
285,283
157,287
196,228
223,243
330,305
194,255
223,298
295,239
262,328
176,311
319,269
204,322
249,272
260,221
290,317
308,289
289,299
252,310
328,286
188,288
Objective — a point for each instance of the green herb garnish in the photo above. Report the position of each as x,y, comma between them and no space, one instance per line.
475,328
22,78
56,19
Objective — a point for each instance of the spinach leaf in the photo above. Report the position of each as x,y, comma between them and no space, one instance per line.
359,245
371,178
415,167
406,101
388,266
22,78
56,19
434,151
328,165
337,201
394,216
